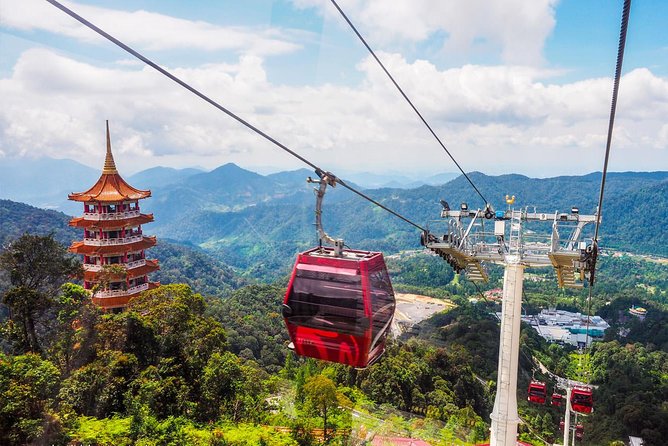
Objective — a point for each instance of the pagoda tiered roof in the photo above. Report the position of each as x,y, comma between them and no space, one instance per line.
111,187
83,248
83,222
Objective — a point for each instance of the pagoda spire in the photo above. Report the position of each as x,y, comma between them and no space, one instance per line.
109,164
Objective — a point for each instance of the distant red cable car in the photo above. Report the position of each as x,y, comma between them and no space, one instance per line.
579,431
537,392
557,398
582,399
339,308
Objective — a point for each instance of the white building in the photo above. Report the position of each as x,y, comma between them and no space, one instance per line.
565,327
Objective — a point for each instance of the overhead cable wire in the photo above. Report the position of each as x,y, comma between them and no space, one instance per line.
231,114
343,14
613,108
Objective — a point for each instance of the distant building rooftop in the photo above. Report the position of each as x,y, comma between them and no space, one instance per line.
636,441
638,312
565,327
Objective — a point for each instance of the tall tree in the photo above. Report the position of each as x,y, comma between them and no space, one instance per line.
74,324
321,393
36,266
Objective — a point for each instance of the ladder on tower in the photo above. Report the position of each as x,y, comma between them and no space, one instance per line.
474,270
567,265
515,247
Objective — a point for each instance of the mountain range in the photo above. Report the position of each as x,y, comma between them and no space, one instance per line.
45,182
258,222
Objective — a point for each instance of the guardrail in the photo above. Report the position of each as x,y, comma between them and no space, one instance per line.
117,293
112,241
111,216
130,265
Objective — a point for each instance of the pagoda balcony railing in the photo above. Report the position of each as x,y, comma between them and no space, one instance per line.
112,241
111,216
96,267
135,264
119,293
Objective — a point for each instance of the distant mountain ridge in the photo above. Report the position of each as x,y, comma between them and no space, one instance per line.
43,182
272,231
260,221
160,176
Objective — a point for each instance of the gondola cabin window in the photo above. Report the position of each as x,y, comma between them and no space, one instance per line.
382,305
328,299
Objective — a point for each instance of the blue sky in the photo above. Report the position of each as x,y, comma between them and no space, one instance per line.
516,86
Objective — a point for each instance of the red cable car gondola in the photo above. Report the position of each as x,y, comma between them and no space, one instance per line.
557,398
582,400
339,303
579,431
339,308
537,392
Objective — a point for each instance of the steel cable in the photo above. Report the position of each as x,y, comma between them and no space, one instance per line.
231,114
424,121
613,108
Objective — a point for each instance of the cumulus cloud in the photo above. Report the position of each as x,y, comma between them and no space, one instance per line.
149,30
493,118
515,29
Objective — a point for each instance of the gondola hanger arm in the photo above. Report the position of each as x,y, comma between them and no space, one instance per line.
326,178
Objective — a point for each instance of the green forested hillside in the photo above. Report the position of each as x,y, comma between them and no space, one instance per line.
18,218
635,206
180,367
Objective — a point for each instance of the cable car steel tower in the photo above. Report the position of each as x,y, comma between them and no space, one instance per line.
503,237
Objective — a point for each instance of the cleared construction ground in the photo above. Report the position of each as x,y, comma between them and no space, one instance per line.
414,308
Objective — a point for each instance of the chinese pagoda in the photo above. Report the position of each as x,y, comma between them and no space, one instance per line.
114,261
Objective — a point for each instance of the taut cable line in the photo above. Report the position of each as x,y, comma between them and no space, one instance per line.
613,108
424,121
231,114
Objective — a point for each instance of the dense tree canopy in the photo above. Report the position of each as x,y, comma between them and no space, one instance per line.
36,266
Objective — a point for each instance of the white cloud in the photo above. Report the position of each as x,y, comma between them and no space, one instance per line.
149,30
494,119
516,29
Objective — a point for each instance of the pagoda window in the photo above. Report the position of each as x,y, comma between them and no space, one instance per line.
113,234
133,206
89,208
114,260
138,281
135,256
112,208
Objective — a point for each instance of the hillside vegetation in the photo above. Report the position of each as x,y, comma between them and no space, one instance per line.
204,360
